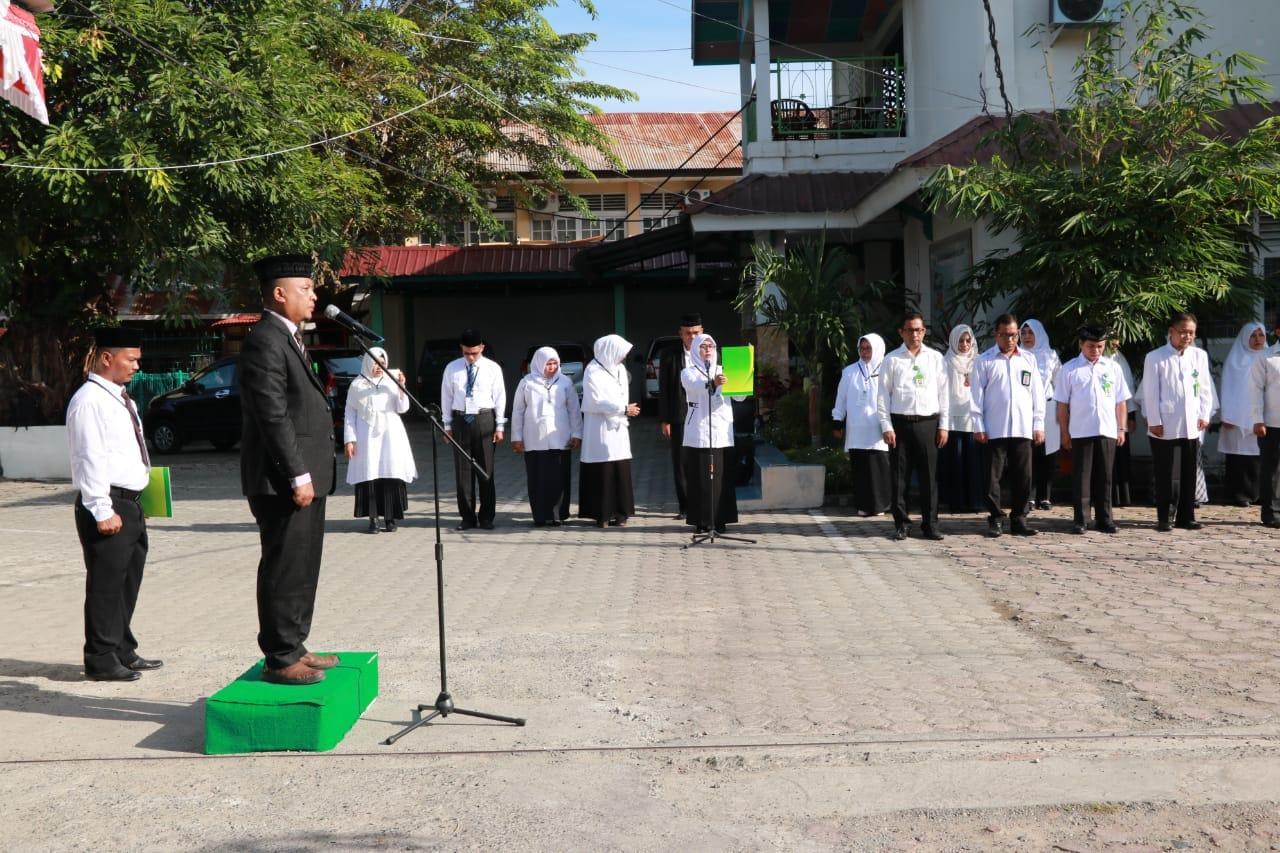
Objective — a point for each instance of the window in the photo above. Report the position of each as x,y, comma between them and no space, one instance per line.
615,228
222,376
469,233
590,228
542,227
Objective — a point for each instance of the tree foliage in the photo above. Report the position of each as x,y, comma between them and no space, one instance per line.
1132,201
808,293
491,89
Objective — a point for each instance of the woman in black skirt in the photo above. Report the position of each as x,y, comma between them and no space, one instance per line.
380,461
546,427
708,430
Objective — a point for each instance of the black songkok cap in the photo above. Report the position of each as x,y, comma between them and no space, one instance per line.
470,338
1092,333
688,320
112,337
283,266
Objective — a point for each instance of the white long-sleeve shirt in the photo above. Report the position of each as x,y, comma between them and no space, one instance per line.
545,416
1008,395
1177,391
857,402
913,385
606,433
103,445
694,381
1091,390
488,391
1264,392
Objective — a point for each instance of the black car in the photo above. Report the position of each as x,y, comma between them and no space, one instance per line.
207,406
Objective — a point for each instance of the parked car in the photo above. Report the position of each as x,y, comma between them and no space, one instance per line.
336,369
573,361
205,408
436,355
653,358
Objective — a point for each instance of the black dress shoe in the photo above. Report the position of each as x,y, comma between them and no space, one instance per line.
555,522
994,528
899,533
1077,529
1190,525
1163,527
1044,505
1108,528
120,673
933,535
373,527
465,525
486,525
142,664
1020,528
390,525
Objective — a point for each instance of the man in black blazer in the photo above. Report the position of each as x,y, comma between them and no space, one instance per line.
287,467
673,408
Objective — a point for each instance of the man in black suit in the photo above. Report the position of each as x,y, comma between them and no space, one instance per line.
287,467
673,408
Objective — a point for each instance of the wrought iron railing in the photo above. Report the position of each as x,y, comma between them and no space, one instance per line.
845,98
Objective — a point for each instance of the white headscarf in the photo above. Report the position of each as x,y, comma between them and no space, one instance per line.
1046,359
610,355
962,362
538,364
1236,407
695,355
540,388
364,389
877,355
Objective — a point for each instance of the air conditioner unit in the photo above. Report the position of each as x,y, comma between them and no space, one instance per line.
549,205
489,200
698,195
1084,12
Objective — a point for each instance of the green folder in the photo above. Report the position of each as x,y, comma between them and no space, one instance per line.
157,497
739,371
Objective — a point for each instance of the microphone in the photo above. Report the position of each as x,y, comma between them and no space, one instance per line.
351,324
711,380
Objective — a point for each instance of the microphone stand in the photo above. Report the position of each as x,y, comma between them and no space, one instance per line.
443,706
713,485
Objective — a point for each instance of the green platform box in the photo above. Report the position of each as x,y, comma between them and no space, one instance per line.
251,715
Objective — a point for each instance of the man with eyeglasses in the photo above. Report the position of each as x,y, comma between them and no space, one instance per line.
1008,419
1178,400
913,407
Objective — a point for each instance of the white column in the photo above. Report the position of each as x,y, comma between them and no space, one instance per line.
764,70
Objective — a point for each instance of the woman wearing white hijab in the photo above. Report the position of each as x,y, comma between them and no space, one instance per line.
605,491
1035,340
1237,442
708,430
960,470
380,461
855,414
546,426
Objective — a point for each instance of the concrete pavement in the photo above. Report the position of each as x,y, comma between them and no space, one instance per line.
734,696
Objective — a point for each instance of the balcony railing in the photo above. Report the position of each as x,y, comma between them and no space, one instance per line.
846,98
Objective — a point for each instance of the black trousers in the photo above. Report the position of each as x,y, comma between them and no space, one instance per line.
1242,485
547,473
1042,465
961,479
477,439
1092,461
1173,464
872,491
915,450
721,493
1014,456
288,573
113,574
1269,473
677,465
1121,476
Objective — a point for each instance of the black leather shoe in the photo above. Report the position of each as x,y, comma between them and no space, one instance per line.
1044,505
142,664
899,533
1108,528
486,525
1274,524
555,523
465,525
1077,529
994,528
932,535
1163,527
1190,525
1020,528
120,673
390,525
373,527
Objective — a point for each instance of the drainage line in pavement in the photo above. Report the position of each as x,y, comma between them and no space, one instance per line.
718,747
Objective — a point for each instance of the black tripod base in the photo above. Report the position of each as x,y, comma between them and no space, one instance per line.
443,708
711,537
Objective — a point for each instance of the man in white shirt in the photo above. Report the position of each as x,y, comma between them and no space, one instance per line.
473,401
1178,401
673,407
1092,391
1264,400
1008,416
913,408
109,468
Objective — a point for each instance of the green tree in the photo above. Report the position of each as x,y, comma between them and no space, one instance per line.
1131,202
433,101
809,294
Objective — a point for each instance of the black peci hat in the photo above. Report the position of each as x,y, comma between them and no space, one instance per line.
470,338
692,319
283,266
113,337
1092,333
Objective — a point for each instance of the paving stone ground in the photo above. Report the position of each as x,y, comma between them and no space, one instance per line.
729,696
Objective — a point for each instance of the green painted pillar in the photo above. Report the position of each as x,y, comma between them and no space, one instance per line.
375,309
619,309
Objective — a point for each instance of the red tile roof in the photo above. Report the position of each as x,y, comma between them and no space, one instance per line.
655,142
484,260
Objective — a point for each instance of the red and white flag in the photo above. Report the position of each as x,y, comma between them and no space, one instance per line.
21,76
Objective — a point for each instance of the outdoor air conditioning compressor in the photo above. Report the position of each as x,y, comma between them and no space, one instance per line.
1081,12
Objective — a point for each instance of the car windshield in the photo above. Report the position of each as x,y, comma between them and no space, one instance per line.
344,365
